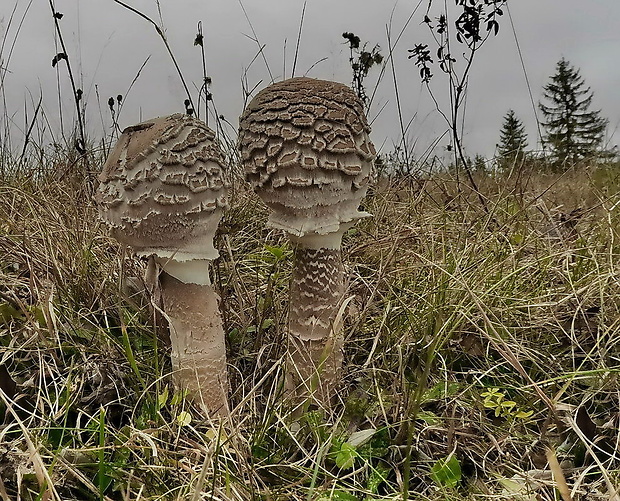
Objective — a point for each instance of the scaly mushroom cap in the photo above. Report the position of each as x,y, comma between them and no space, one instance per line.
163,188
306,151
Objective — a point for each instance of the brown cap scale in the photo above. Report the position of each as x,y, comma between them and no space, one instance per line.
306,151
163,189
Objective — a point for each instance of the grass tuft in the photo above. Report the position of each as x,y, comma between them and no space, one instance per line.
477,342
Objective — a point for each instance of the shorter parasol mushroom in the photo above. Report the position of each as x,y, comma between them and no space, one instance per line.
162,192
306,151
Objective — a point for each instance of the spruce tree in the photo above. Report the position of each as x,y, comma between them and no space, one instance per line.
573,132
512,142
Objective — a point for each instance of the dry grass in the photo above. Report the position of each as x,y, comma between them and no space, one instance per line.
485,336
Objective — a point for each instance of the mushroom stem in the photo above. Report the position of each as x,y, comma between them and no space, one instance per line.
315,330
197,338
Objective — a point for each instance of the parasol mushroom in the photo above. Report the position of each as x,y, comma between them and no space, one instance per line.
162,192
306,151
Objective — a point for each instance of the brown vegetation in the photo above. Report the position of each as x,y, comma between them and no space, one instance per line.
482,336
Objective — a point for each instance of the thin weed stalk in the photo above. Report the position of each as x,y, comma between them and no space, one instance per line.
162,35
80,143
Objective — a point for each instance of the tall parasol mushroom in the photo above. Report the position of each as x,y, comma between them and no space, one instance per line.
162,192
306,151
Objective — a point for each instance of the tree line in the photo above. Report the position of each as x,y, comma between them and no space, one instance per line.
573,132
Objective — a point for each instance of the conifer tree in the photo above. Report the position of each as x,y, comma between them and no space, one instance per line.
512,142
573,132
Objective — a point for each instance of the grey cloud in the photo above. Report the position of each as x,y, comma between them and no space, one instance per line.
108,44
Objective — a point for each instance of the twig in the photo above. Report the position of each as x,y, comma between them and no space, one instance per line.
166,44
30,127
82,146
301,24
397,94
260,48
558,475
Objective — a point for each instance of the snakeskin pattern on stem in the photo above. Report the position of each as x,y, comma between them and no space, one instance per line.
315,337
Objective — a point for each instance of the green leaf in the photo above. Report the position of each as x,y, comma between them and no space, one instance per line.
517,239
518,489
377,477
259,452
441,390
277,252
492,393
524,414
447,472
178,397
345,459
123,436
8,313
162,398
361,437
184,418
343,496
39,316
337,495
233,335
430,418
56,436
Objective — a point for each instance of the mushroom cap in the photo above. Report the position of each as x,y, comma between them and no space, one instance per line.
163,188
306,151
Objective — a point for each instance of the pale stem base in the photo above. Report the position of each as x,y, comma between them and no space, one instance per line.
198,343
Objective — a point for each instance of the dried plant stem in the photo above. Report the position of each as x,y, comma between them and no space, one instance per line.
558,475
82,146
162,35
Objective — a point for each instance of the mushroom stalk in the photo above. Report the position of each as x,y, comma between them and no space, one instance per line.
315,329
198,352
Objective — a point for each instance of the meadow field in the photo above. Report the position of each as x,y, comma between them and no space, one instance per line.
482,333
478,344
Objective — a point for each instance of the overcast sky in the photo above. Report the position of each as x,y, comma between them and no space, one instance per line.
107,45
